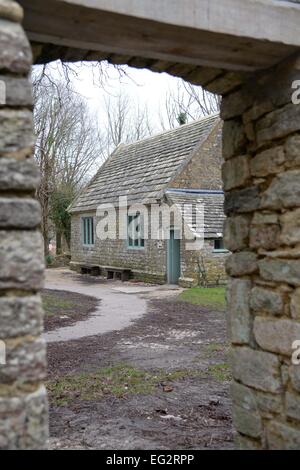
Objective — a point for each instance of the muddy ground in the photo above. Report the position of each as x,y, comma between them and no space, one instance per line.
192,411
65,309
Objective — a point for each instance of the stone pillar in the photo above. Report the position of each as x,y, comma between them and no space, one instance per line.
261,175
23,403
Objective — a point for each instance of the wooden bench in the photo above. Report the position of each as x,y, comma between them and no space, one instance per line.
117,273
92,269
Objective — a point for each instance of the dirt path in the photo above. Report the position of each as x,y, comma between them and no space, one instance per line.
160,383
119,303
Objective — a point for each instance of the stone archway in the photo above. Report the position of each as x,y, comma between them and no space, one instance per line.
254,72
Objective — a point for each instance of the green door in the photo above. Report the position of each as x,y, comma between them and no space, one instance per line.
173,259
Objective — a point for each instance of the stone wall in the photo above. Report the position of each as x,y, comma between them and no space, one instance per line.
149,263
194,262
204,169
261,174
23,403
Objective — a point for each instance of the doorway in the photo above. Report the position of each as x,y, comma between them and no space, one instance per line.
173,258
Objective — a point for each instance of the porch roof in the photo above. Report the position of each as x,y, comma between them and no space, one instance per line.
188,202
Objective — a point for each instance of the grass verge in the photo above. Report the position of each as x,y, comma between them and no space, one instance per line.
220,372
212,297
55,305
119,380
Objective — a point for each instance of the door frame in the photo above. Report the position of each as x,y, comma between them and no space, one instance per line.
178,251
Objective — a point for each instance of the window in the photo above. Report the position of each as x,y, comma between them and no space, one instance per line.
219,245
88,230
135,231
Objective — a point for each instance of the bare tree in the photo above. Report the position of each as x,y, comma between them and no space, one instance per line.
125,121
71,71
187,103
67,142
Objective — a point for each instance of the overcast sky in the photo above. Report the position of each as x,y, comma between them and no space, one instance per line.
144,87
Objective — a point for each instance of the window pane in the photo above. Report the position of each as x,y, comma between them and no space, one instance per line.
135,231
88,230
219,244
85,232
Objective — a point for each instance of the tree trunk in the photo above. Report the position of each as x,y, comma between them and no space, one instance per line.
45,230
58,243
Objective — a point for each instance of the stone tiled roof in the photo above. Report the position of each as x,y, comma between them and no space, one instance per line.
143,170
189,200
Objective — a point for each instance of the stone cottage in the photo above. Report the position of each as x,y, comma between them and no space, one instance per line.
243,54
179,170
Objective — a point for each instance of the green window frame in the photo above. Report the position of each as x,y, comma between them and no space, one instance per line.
219,246
134,239
88,231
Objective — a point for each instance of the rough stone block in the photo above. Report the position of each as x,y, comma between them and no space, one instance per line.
16,131
292,151
276,335
292,405
234,138
236,232
235,104
15,52
255,401
268,162
295,305
20,316
242,263
264,236
21,260
284,191
19,213
290,227
256,369
11,10
25,361
266,300
268,403
265,218
247,423
278,124
280,270
294,373
18,91
246,443
24,421
240,316
258,109
243,200
282,437
18,175
236,172
244,397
